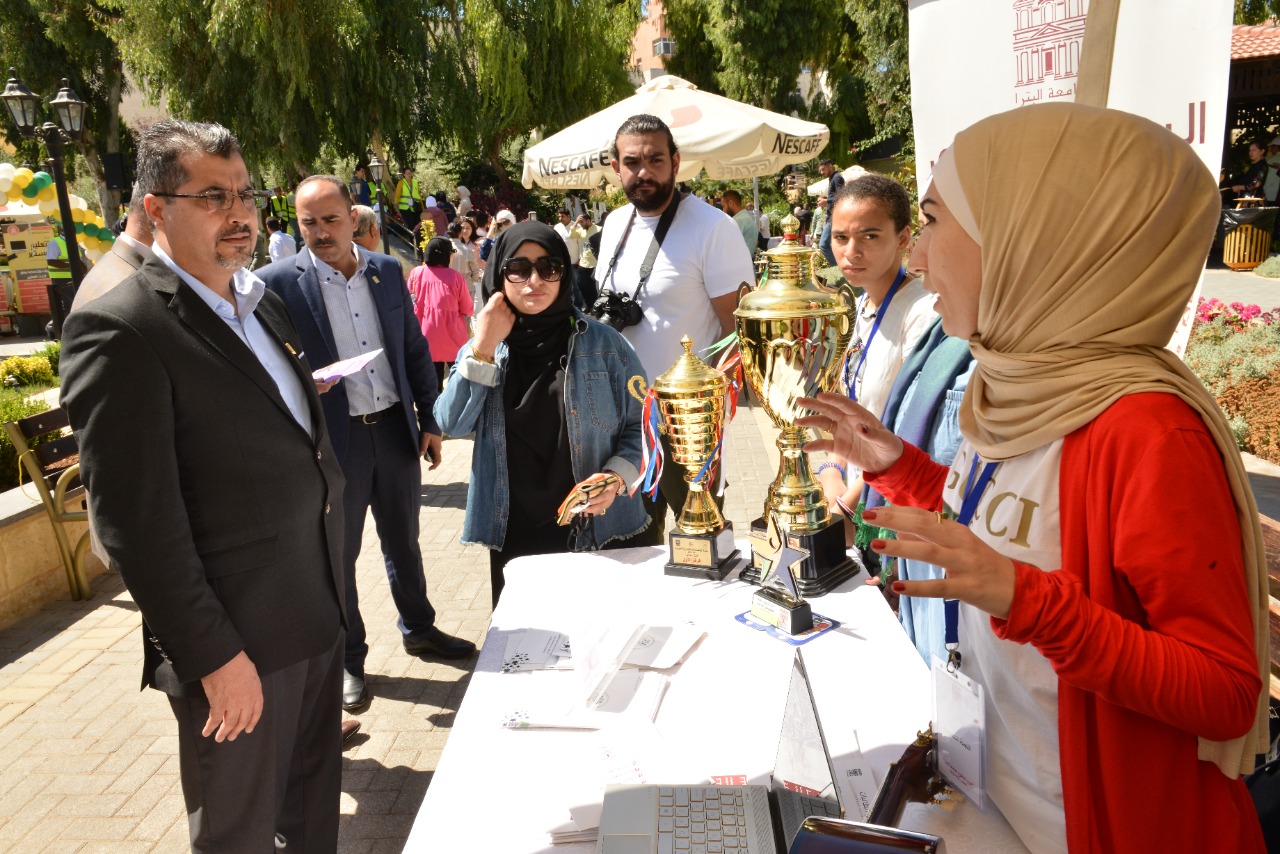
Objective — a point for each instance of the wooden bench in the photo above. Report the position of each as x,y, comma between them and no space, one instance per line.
48,453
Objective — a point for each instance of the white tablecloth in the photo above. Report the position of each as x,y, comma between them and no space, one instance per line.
502,790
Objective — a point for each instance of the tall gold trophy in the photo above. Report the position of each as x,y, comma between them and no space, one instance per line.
691,405
793,333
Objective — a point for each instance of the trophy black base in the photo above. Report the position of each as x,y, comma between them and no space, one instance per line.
827,566
710,556
793,616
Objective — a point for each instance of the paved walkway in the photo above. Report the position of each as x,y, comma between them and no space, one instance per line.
88,762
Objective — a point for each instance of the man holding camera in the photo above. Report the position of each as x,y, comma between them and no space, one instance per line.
669,265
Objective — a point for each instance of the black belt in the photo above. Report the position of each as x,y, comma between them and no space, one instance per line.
373,417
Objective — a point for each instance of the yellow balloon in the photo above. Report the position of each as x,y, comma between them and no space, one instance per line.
77,215
22,177
47,194
90,243
14,194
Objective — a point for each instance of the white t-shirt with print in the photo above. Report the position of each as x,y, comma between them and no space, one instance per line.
1017,516
702,257
908,316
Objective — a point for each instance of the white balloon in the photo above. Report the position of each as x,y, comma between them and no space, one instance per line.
5,183
77,202
7,170
47,206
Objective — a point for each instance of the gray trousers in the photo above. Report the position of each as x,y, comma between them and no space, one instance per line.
283,778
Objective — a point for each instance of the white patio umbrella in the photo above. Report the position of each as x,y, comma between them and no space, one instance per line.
726,139
819,188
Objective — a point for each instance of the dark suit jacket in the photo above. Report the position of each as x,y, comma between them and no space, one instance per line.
222,515
297,283
121,262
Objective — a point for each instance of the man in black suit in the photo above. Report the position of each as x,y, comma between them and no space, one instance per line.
347,301
217,495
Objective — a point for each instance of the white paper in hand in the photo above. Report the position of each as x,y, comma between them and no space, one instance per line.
344,368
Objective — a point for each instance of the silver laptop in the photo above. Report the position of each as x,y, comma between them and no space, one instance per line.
647,819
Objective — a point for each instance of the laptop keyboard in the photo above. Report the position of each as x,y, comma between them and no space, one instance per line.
701,820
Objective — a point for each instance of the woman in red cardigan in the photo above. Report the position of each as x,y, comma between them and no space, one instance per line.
1109,568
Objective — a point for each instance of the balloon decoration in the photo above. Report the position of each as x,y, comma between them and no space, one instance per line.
19,184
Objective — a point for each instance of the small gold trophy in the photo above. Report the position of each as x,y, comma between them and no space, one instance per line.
690,400
792,334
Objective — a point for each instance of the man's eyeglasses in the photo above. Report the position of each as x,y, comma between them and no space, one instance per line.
219,200
518,270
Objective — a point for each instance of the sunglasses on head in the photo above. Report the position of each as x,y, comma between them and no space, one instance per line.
518,270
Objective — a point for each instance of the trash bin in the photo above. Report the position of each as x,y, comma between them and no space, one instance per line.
1247,236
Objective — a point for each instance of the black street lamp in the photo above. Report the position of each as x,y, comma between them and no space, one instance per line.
69,109
376,170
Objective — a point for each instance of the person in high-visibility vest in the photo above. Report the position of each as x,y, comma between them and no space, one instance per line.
57,259
282,209
409,198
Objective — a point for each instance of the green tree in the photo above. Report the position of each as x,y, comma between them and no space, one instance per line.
1256,11
286,76
696,57
47,40
502,68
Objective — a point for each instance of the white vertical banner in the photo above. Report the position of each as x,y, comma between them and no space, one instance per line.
974,58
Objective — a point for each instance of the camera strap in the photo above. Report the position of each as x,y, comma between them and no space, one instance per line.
659,234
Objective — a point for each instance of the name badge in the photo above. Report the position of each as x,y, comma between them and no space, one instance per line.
960,726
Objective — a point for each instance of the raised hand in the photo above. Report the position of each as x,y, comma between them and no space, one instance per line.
493,324
856,434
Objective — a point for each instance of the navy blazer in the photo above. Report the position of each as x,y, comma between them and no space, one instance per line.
297,283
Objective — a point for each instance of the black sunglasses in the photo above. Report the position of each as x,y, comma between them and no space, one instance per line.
518,270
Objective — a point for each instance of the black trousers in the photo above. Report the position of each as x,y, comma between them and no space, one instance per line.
283,778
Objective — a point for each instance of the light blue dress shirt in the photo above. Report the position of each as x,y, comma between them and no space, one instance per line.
248,290
357,329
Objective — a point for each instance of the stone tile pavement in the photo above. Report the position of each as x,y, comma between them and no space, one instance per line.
89,763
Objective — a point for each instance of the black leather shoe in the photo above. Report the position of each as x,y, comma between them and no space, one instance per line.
436,644
354,695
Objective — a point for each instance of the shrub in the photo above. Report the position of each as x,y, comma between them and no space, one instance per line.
53,352
26,371
1235,351
14,405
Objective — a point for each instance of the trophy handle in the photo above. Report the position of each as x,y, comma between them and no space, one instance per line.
851,302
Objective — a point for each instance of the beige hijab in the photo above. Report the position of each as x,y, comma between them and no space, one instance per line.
1094,226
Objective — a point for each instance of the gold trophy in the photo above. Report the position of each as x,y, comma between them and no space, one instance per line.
690,400
792,334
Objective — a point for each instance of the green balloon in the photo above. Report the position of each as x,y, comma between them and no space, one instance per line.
44,179
90,229
30,191
79,228
108,237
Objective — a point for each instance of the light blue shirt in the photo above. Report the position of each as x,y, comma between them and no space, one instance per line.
357,329
248,290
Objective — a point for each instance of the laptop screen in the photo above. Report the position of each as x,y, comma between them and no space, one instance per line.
803,763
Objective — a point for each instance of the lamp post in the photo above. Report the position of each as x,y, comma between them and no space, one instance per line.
376,170
69,109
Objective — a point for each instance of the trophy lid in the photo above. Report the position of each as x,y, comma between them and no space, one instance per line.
791,288
690,374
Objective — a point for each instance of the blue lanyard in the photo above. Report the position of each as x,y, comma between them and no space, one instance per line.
881,311
974,486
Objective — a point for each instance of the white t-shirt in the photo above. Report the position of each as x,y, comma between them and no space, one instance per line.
1018,516
281,245
574,243
909,314
702,257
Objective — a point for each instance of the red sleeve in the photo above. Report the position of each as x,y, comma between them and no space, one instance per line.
915,480
1150,611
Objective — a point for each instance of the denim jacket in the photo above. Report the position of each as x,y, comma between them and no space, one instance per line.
603,423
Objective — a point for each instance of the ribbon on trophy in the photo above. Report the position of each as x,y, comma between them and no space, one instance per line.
651,445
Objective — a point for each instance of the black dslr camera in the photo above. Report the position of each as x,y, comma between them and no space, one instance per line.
617,310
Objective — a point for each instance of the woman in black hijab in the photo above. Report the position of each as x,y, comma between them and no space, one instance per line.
545,390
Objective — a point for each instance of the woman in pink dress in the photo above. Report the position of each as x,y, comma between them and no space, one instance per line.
442,303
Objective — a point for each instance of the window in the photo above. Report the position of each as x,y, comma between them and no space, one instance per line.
663,47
